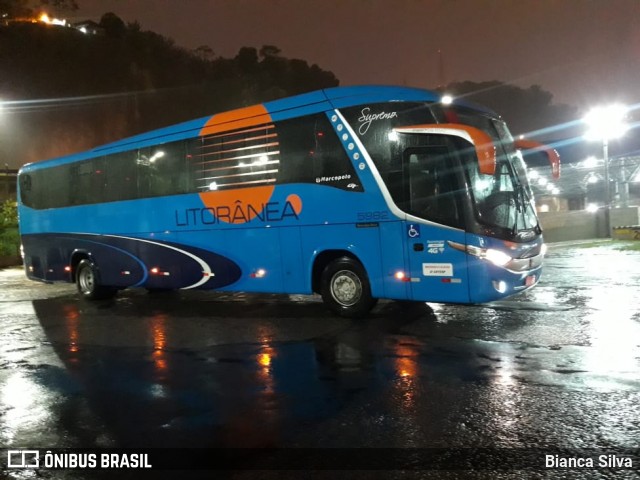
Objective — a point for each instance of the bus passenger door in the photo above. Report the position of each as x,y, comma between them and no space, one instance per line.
433,186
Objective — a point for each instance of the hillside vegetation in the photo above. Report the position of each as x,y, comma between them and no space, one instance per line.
69,91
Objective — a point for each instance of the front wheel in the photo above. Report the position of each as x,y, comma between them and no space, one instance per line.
88,283
345,288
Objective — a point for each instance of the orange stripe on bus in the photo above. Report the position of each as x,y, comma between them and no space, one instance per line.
240,118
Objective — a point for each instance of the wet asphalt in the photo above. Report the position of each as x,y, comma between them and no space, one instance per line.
555,367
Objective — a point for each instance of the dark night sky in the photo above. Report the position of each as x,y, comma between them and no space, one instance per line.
583,51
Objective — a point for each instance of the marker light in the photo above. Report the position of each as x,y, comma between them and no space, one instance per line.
259,273
543,249
157,271
400,275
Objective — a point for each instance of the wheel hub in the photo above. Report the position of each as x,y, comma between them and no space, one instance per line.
346,288
86,280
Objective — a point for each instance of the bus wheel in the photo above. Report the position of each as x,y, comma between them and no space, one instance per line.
88,284
345,288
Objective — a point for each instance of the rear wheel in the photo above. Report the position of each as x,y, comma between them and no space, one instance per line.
345,288
88,282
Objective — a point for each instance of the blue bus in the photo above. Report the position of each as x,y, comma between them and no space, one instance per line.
354,193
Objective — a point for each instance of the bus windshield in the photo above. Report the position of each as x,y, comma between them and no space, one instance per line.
502,201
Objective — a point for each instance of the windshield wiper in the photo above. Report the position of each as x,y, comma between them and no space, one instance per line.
521,200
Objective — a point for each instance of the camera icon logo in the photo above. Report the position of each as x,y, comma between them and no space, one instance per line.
23,459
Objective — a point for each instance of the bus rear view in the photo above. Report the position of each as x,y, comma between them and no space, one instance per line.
355,193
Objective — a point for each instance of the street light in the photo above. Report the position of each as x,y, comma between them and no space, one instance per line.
606,123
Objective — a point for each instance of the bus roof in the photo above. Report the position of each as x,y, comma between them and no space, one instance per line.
281,109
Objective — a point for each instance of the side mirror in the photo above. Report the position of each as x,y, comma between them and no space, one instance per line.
552,154
484,147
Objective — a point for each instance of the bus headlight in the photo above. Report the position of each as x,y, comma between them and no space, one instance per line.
497,257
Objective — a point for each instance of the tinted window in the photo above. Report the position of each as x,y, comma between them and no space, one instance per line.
162,170
25,189
299,150
87,182
432,188
58,193
122,178
374,124
312,153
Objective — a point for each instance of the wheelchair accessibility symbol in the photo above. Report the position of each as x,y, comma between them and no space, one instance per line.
413,231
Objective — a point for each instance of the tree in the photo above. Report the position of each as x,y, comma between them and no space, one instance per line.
8,214
204,52
247,59
269,51
9,234
128,81
113,25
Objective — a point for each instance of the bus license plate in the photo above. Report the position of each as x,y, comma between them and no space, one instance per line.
530,280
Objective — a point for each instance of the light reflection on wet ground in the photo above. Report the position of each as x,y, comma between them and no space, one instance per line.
558,365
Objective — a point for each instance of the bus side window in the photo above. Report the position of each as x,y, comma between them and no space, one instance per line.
297,151
433,185
248,157
165,169
121,176
98,181
25,190
87,182
193,168
311,152
58,187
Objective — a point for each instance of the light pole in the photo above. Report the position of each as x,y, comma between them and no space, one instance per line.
604,124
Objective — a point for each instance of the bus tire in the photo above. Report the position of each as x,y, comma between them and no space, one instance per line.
88,283
345,288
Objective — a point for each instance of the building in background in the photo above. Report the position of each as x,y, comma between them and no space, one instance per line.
581,185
